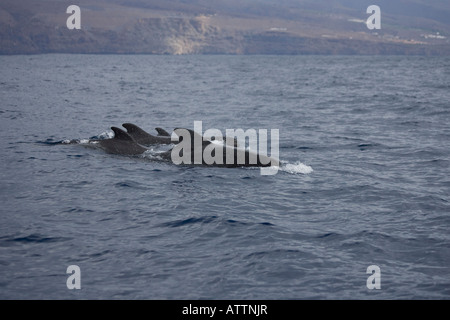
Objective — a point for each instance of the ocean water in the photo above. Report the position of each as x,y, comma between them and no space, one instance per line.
364,179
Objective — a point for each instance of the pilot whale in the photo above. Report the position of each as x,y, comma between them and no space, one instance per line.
190,148
133,141
122,143
145,138
213,153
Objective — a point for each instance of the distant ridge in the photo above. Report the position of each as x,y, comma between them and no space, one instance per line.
225,27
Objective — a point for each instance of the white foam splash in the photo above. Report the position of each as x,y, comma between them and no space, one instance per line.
106,135
297,167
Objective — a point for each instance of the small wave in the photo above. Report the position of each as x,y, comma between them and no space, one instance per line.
296,167
184,222
36,238
152,155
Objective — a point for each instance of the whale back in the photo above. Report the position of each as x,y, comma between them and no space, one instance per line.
143,137
122,143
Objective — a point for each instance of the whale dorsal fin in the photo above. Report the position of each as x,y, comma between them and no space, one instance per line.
120,134
133,129
162,132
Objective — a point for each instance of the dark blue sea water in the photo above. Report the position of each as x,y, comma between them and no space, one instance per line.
364,179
